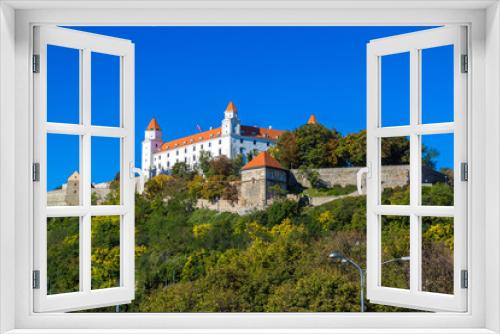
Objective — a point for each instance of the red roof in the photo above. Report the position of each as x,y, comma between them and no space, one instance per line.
312,120
252,131
231,107
202,136
264,159
153,125
246,131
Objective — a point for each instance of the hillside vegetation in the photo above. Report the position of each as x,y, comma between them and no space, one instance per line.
274,260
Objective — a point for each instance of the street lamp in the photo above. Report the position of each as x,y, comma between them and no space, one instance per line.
397,259
342,259
339,257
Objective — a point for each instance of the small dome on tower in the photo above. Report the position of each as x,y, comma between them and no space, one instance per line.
153,125
312,120
231,107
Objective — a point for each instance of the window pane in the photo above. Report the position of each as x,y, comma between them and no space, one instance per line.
63,84
105,89
63,166
105,252
63,247
105,171
437,169
395,170
395,90
395,266
437,254
437,84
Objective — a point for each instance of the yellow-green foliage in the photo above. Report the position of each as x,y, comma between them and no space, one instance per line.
273,260
201,230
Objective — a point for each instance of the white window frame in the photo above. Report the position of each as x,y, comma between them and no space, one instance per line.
413,44
16,21
85,43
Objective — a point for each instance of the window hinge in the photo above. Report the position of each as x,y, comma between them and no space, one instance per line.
464,279
36,172
36,279
36,63
465,64
464,171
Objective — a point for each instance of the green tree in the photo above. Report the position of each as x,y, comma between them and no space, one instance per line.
181,169
204,161
286,150
221,166
312,143
237,163
352,148
395,151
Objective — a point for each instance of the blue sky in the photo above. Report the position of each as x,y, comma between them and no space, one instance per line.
278,76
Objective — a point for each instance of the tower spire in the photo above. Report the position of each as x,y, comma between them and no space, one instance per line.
312,120
231,107
153,125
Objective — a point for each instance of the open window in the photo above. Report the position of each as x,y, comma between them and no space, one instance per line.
397,104
73,67
416,212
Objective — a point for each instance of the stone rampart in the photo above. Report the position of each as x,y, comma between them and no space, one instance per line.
392,176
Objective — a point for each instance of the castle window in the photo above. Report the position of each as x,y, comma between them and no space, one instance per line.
194,157
255,142
241,141
201,146
168,163
185,150
267,144
220,141
177,152
168,155
220,151
209,144
194,148
185,159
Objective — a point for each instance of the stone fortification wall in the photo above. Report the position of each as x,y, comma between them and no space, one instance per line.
227,206
392,176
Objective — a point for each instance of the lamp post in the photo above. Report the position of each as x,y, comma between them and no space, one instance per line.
397,259
338,256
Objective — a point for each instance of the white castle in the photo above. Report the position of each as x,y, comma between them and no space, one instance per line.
230,139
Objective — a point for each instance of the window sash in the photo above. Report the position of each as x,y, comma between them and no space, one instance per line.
414,297
86,44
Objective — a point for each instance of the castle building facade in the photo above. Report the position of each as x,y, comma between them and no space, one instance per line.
230,139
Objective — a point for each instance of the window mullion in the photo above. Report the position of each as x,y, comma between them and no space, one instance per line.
415,249
85,235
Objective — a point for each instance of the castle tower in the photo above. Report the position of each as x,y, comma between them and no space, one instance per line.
263,180
231,122
151,144
73,189
312,120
